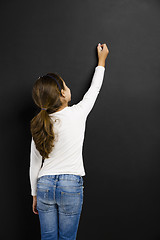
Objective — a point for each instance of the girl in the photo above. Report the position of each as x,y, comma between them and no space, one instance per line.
56,163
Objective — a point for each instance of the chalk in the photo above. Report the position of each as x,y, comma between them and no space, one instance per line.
100,47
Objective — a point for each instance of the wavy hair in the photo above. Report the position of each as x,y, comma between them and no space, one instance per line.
45,94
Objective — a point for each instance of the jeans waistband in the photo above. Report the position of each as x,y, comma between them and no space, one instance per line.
63,177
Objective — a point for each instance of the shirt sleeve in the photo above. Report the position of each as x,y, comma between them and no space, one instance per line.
35,165
87,103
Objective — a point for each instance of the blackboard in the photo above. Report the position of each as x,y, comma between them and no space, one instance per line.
121,148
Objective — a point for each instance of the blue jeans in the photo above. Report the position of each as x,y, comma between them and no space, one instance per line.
59,204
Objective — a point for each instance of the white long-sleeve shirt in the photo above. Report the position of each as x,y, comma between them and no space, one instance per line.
69,128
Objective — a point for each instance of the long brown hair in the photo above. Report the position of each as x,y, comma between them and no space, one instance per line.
45,94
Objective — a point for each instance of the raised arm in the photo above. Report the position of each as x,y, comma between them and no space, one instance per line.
86,104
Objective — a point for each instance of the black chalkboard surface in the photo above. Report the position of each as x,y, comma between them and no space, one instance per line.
121,148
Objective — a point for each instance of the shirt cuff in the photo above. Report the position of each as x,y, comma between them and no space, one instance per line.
101,67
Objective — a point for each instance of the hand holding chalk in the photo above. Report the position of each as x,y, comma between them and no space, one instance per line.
102,51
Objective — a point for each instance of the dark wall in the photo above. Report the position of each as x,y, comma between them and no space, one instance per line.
121,148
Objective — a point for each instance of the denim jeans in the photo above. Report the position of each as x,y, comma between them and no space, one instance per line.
59,204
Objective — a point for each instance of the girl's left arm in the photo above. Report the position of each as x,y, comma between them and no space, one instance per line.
35,165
